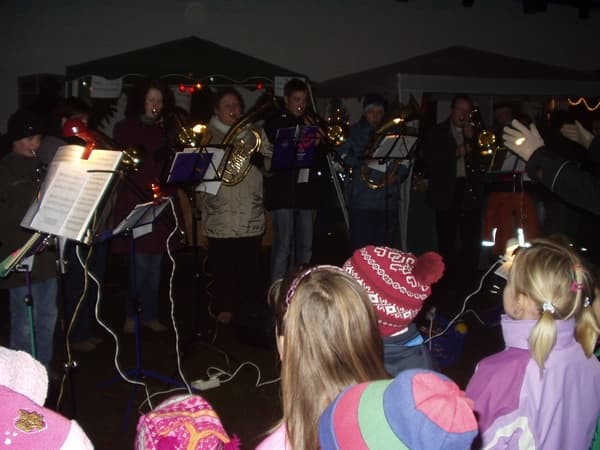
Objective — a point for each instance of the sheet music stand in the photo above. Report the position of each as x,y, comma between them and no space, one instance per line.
139,222
190,171
21,260
390,150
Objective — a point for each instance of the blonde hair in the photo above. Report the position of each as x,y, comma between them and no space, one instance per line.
552,275
330,342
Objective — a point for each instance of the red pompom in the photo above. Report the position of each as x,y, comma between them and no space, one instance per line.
429,268
233,444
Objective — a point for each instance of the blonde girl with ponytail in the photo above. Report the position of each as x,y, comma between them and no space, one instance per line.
543,390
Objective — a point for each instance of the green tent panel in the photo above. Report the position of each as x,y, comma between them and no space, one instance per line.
181,60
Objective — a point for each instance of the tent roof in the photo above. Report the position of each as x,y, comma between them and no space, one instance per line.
458,62
187,58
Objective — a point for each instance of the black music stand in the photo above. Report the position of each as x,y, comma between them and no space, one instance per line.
390,150
189,169
139,222
21,260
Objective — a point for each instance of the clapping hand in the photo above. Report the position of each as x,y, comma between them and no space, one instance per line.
522,140
576,133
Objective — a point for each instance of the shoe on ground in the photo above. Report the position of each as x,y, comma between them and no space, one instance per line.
129,327
96,340
224,317
83,346
155,326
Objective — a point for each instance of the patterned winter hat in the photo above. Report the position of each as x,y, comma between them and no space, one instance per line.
419,409
181,423
397,282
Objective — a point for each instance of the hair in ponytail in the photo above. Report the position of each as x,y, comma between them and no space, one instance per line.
552,275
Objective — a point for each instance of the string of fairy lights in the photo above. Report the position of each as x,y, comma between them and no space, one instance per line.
581,100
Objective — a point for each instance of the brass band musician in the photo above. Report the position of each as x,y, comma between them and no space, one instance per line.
373,213
234,220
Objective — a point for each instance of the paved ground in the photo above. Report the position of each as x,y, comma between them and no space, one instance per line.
109,414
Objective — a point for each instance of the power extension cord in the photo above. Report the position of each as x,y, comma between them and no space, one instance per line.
205,385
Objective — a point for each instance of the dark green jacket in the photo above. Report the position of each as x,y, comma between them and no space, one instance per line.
18,186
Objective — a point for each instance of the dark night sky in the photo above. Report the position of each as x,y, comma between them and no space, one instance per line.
322,38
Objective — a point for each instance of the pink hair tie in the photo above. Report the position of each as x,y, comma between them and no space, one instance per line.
575,286
292,290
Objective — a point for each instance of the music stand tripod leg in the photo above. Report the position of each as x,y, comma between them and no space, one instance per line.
29,302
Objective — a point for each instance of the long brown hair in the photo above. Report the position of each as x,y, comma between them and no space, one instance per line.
330,342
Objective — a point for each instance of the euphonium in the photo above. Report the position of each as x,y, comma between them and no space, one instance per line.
241,141
409,112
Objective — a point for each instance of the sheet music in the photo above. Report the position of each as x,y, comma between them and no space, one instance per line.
71,192
141,218
401,147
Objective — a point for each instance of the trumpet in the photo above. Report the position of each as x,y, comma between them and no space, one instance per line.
334,129
188,136
485,138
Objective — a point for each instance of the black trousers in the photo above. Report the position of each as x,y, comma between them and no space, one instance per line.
236,266
459,241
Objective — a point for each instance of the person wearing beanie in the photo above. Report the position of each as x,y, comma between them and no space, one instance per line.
373,213
397,284
25,423
183,422
19,184
417,410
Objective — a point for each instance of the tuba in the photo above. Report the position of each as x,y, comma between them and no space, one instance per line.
243,139
409,112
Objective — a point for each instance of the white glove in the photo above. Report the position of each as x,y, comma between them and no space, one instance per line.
522,140
577,133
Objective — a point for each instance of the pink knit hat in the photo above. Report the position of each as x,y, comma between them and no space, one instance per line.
183,422
397,283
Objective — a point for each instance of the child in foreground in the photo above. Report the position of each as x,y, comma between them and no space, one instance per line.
327,340
418,410
543,390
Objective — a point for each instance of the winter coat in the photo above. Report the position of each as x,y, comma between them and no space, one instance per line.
520,408
358,194
235,211
283,191
135,188
18,186
566,179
